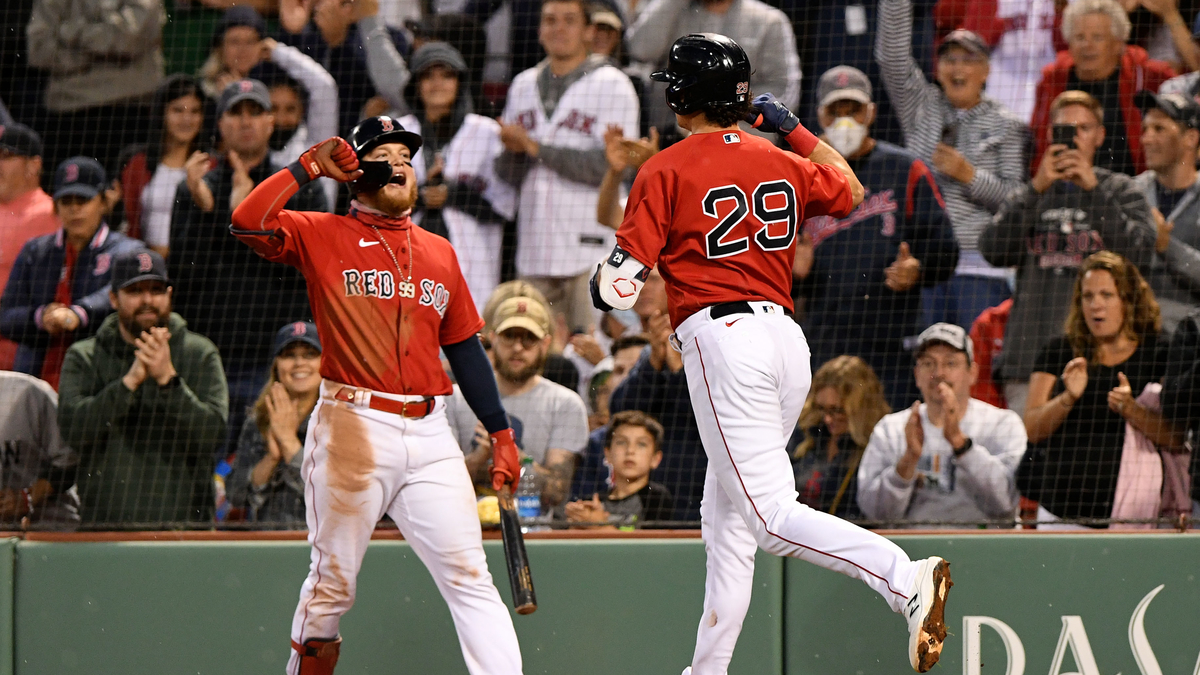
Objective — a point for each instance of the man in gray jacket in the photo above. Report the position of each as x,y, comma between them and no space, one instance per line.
974,142
1171,185
951,460
763,31
1049,226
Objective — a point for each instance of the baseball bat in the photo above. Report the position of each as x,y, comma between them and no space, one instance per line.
519,579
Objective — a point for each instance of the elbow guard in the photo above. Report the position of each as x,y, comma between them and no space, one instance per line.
618,281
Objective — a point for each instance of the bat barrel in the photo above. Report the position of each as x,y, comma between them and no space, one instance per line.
519,578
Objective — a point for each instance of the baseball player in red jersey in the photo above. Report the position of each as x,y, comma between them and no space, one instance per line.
385,296
718,213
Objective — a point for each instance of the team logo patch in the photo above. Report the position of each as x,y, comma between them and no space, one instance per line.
732,138
103,262
743,88
298,329
145,263
522,307
245,86
387,123
72,173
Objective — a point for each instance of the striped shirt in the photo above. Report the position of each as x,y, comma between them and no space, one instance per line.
990,137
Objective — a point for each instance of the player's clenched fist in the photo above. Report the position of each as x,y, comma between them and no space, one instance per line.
506,463
332,157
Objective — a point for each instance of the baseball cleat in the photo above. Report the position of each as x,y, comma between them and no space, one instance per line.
926,613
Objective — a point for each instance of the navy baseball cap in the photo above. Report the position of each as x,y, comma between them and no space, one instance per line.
20,140
131,267
244,90
81,176
297,331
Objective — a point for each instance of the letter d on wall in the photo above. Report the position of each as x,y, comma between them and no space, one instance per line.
973,660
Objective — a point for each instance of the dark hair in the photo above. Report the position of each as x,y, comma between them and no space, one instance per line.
627,341
634,418
584,7
727,115
273,76
1142,315
174,87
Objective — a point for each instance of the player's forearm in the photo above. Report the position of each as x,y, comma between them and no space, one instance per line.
608,206
258,210
825,154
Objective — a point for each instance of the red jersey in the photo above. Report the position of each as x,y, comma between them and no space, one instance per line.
380,326
719,213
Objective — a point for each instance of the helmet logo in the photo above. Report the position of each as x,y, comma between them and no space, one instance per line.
387,123
743,88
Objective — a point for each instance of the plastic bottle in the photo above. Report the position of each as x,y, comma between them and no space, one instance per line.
528,497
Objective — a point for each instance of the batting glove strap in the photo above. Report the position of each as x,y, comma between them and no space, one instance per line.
299,173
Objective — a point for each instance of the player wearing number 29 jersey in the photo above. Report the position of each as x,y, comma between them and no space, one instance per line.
732,197
718,213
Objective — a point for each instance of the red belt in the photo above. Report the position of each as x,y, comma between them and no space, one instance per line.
410,409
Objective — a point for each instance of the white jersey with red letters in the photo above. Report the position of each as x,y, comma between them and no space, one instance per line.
719,214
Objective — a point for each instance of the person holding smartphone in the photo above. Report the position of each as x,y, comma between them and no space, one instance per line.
1049,226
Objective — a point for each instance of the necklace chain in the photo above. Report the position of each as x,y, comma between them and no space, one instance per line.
400,270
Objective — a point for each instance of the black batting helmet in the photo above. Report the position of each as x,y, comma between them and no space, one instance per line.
370,134
705,69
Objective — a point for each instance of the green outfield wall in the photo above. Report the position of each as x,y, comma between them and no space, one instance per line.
1087,604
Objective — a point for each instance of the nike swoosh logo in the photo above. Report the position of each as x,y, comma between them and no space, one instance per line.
730,323
363,243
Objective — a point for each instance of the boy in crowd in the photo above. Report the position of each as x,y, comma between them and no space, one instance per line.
632,449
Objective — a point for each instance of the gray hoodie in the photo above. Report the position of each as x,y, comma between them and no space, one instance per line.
1175,275
1047,237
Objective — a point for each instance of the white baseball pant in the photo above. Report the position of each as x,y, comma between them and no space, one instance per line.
361,463
748,376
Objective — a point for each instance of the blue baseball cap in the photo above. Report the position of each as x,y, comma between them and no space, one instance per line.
297,331
82,176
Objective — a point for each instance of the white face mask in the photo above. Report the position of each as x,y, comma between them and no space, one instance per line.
846,135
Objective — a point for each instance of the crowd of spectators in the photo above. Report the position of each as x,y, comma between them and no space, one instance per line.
1006,330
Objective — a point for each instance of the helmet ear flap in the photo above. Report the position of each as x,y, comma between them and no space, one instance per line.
375,176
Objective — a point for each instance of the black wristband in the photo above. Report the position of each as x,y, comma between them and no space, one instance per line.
298,173
959,452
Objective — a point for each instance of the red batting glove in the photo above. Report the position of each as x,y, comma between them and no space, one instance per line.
332,157
506,463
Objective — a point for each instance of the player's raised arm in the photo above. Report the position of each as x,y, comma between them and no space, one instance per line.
769,114
332,157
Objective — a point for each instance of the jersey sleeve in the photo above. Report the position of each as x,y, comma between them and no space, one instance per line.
462,319
643,234
261,223
828,191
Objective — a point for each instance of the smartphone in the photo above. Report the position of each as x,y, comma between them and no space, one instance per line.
1063,134
950,134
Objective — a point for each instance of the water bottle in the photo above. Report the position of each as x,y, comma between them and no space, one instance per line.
528,497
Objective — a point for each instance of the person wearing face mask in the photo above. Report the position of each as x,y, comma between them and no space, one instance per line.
951,459
976,145
266,481
1047,228
862,275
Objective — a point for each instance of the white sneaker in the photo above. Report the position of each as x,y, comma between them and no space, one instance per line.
926,613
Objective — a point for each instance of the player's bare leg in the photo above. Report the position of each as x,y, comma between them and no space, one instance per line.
435,510
741,375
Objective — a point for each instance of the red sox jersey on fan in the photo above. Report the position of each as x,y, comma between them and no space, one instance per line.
719,213
385,294
468,160
556,216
